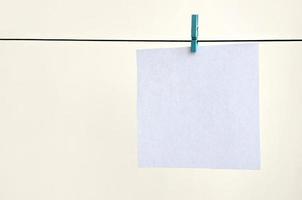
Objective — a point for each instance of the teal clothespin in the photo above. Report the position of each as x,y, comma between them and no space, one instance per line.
194,33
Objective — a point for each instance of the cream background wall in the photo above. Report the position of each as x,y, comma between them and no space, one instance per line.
68,110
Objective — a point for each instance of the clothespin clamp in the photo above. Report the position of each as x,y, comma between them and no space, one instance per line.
194,33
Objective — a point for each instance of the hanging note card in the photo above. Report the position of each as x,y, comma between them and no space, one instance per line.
199,110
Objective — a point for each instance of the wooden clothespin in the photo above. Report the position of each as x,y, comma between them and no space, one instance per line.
194,33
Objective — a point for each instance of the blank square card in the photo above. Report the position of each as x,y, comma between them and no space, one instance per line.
199,110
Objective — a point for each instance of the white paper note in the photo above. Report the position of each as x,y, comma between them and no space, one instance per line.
199,110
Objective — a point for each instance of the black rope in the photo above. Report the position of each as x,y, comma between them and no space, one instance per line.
142,40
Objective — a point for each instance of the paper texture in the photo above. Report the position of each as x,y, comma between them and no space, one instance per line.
199,110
